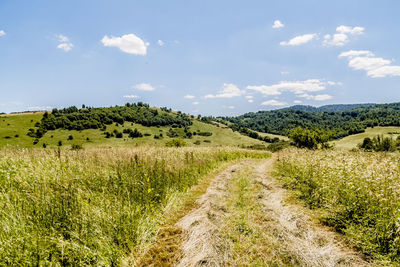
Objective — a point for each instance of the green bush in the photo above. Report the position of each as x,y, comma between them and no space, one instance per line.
175,143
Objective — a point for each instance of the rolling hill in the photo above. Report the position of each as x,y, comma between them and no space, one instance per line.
14,129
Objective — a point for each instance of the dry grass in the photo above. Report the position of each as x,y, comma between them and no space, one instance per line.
354,192
95,206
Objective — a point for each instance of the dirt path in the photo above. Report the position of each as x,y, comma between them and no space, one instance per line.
307,242
203,244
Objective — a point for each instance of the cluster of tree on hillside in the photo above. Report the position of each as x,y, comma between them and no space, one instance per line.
73,118
311,139
380,143
343,123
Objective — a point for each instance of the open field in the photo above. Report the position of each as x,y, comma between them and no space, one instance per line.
357,193
14,129
352,141
94,206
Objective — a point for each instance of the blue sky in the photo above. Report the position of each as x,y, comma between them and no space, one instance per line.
200,57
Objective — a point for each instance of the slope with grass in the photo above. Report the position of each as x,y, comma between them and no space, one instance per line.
350,142
14,129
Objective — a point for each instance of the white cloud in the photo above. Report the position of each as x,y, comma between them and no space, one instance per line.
144,87
229,90
376,67
250,100
65,43
2,33
338,39
273,103
284,72
341,37
249,96
297,101
189,96
350,30
231,107
297,87
131,96
62,38
299,40
160,42
65,46
316,97
278,24
195,103
354,53
128,43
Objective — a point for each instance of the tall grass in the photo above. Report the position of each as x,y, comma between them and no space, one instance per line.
358,193
92,207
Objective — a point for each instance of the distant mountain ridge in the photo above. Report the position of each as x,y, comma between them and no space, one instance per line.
334,107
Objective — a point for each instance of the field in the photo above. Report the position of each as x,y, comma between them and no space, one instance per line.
351,141
94,206
14,129
357,193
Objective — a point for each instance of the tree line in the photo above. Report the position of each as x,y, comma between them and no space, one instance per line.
341,123
73,118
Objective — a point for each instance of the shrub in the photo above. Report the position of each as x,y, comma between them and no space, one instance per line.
76,147
70,137
175,143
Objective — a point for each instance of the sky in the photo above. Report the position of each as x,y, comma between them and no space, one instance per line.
200,57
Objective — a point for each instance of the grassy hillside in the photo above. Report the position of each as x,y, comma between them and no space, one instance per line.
352,141
14,129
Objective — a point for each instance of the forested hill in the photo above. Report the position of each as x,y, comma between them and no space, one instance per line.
342,122
73,118
337,107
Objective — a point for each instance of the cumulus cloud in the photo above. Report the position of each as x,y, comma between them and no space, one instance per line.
128,43
189,96
195,103
354,53
316,97
350,30
296,87
65,46
2,33
229,90
278,24
249,96
144,87
131,96
273,103
160,42
341,37
250,100
297,101
299,40
65,43
231,107
376,67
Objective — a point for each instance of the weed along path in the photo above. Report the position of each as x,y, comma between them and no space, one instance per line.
242,219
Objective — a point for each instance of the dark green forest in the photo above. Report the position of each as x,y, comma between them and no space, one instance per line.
73,118
342,123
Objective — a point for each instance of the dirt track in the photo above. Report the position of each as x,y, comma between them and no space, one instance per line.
295,232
